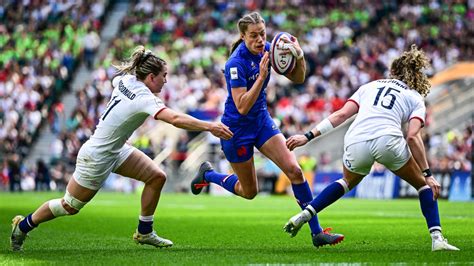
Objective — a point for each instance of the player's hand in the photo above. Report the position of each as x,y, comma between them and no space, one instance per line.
291,46
296,141
264,66
221,131
434,185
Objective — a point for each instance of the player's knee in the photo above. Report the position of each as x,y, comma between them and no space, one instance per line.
68,205
295,173
157,180
249,193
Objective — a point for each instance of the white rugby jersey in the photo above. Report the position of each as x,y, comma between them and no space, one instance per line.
384,106
130,104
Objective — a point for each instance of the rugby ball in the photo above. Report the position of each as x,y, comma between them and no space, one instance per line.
282,62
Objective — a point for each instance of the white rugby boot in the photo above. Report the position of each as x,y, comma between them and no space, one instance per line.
17,237
440,243
151,239
296,222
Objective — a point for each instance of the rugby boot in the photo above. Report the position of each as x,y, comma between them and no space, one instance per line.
199,182
151,239
17,237
296,222
441,243
326,238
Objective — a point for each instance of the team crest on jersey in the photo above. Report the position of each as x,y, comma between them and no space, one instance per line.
252,65
233,73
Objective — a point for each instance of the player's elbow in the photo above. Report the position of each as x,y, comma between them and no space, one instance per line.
176,120
243,110
412,139
298,79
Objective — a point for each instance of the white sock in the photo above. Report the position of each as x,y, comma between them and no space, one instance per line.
146,218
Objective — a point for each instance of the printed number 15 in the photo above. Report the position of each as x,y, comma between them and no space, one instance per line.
393,97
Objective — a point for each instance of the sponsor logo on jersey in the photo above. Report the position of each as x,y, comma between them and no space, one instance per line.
233,73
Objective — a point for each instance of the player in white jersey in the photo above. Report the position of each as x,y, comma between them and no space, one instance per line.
133,100
382,107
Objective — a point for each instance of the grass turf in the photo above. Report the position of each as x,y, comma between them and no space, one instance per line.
230,230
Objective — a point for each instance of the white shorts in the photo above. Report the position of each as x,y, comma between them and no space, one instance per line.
92,170
391,151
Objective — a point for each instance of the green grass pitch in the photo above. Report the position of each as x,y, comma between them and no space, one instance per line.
231,230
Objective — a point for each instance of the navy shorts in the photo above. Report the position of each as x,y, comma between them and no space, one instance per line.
239,148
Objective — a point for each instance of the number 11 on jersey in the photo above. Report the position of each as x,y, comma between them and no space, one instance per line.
112,103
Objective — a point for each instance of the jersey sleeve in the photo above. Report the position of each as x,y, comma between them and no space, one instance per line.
356,97
151,105
419,111
236,74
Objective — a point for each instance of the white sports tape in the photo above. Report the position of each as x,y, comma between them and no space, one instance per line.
324,126
425,187
343,184
292,49
73,202
57,208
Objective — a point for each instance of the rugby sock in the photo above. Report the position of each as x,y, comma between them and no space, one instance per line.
303,196
27,224
145,224
429,208
329,195
226,181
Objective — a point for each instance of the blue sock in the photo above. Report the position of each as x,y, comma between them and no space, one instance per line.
226,181
145,224
303,196
27,224
328,196
429,207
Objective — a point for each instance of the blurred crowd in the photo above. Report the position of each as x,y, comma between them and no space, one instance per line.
41,44
346,44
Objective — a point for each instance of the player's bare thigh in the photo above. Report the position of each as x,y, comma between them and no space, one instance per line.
275,149
245,172
411,173
140,167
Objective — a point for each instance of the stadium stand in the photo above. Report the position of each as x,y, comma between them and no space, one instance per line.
346,45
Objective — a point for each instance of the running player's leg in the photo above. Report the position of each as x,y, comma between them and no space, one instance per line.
393,152
275,149
140,167
75,198
239,152
411,173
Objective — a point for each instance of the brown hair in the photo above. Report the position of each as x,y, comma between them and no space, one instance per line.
242,25
409,69
141,63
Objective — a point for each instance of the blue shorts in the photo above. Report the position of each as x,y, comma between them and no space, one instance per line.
239,148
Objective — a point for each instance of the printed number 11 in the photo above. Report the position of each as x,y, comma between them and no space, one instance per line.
110,106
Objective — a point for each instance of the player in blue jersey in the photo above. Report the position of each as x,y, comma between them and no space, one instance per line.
247,73
382,107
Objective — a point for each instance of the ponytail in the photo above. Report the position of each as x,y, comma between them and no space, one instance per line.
235,45
141,63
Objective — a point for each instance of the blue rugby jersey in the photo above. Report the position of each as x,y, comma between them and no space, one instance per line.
241,70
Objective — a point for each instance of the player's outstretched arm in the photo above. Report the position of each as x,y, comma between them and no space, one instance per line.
298,74
188,122
334,120
417,148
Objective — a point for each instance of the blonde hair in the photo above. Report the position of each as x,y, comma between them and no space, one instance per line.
409,69
141,63
242,25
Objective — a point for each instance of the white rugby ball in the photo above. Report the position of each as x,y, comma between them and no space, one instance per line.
282,63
